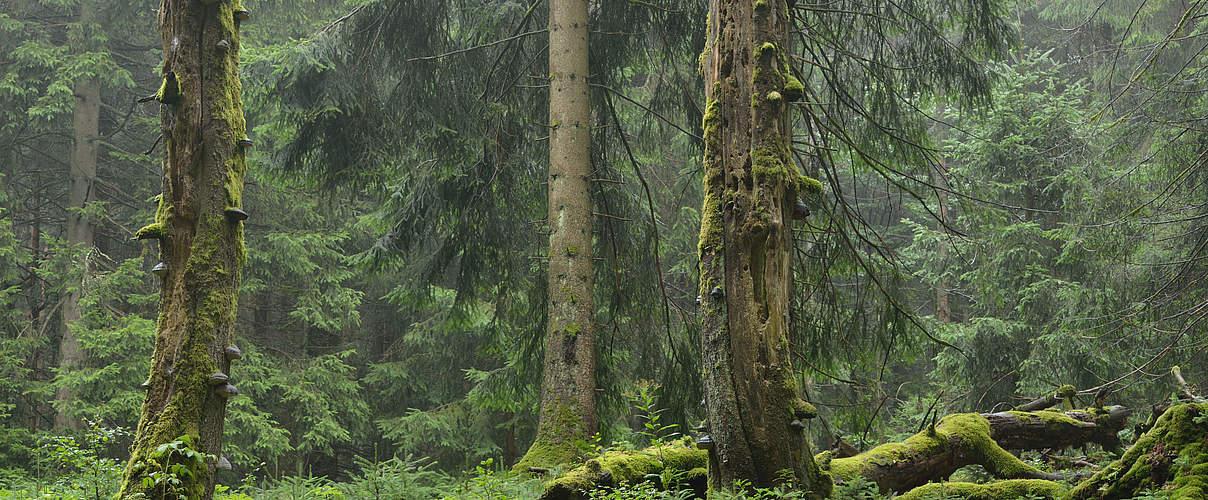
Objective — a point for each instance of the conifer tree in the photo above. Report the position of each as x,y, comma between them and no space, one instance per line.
86,121
568,406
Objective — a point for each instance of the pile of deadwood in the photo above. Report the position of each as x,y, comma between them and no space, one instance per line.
1169,457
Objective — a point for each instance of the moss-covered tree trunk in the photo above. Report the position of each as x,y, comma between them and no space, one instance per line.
86,122
201,243
751,186
568,404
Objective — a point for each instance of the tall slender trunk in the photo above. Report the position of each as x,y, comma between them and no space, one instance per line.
36,293
86,121
943,307
568,401
200,233
755,416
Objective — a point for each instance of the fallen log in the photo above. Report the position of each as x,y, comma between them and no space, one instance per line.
1171,457
680,459
983,439
958,440
1065,392
998,490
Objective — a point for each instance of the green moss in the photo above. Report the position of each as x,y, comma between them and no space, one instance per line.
711,214
629,467
561,437
810,186
1050,418
793,89
150,231
1000,490
1172,456
768,48
970,430
1067,391
572,251
572,329
802,409
770,165
169,90
774,96
157,229
761,4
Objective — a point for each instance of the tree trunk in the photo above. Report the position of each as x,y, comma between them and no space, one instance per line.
201,244
969,438
751,186
943,308
568,405
86,120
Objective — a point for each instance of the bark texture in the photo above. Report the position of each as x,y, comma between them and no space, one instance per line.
969,438
568,404
751,186
202,247
86,126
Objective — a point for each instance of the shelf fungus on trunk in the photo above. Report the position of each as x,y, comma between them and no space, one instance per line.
236,215
160,270
226,391
801,210
232,353
219,378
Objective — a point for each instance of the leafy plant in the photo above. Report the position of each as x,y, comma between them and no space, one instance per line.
80,464
178,463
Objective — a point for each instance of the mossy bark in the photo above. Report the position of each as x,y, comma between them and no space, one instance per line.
969,438
751,186
1171,457
684,462
86,127
998,490
568,405
203,249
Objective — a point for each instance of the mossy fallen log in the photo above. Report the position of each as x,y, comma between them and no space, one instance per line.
998,490
983,439
1171,457
1063,393
682,459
